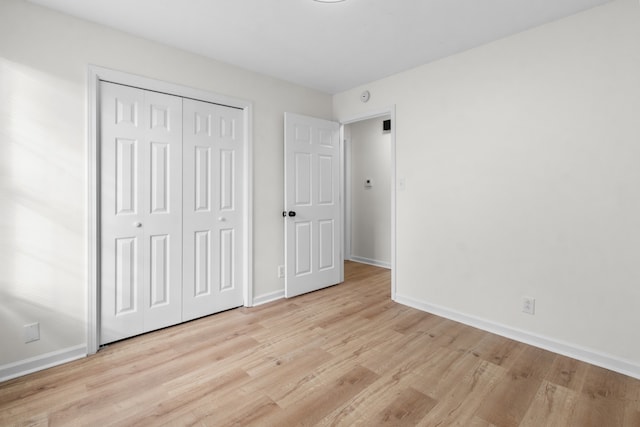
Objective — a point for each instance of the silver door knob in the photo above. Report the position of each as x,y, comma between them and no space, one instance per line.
221,219
137,224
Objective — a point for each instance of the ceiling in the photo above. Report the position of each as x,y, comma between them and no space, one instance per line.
329,47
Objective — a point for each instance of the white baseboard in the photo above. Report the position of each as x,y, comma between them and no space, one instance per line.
370,261
566,349
266,298
38,363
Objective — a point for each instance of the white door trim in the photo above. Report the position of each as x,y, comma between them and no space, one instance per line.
94,76
391,112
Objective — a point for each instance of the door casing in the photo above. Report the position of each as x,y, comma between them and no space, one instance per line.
97,74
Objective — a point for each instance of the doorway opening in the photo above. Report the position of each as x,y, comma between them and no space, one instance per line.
370,189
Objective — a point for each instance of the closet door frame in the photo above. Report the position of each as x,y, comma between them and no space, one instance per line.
94,76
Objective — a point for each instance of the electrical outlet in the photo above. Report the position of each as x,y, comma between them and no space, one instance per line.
528,305
31,332
281,271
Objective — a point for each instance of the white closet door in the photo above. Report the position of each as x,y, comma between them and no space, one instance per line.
162,224
212,229
141,206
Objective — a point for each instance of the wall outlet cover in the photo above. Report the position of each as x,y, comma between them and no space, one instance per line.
31,332
528,305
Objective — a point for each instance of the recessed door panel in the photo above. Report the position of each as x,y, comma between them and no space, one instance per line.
304,253
227,261
227,179
126,110
227,128
302,133
202,124
326,235
326,138
160,176
325,180
160,264
126,279
160,117
202,263
126,176
303,179
202,179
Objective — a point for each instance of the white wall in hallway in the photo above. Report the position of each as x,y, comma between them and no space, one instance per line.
370,159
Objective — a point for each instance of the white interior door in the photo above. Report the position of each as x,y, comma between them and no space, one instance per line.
313,213
141,211
213,230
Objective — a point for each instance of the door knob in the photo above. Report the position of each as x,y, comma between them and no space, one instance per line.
137,224
292,213
221,219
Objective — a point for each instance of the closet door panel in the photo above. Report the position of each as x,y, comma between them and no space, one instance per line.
141,211
122,241
213,144
162,186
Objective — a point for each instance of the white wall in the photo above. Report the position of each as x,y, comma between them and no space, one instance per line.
522,168
370,158
43,66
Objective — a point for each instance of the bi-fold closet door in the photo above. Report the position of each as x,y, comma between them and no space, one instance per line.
213,208
170,210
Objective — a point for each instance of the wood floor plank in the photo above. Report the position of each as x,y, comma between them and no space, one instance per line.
604,398
567,372
357,410
513,396
311,408
553,405
460,404
498,350
409,407
342,356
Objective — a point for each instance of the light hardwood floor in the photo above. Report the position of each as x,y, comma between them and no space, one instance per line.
345,356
